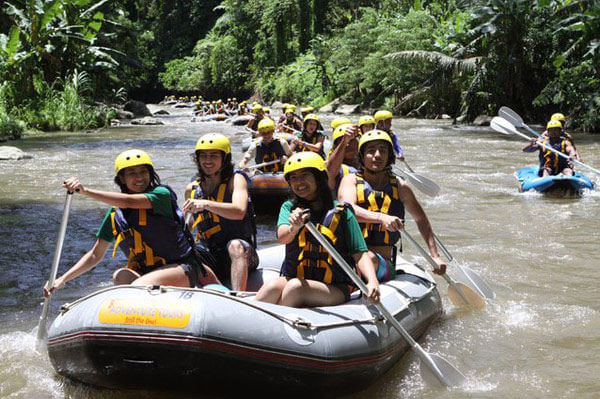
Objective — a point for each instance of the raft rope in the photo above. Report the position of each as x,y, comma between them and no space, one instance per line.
295,322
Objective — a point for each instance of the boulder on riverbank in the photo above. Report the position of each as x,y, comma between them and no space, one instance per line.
482,120
146,121
161,112
332,106
122,114
347,109
138,108
13,153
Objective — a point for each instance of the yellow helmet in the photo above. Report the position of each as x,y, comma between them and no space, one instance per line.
266,125
374,135
306,110
312,117
339,121
383,115
131,158
365,120
214,141
288,109
256,108
339,131
267,110
234,99
554,123
292,107
557,117
305,159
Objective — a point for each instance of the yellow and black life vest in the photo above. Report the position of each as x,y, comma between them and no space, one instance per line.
150,240
267,152
385,201
549,159
305,258
217,231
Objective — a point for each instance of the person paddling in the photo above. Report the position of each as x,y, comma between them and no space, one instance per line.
550,162
146,223
380,201
563,121
290,124
258,115
311,138
309,275
223,212
267,149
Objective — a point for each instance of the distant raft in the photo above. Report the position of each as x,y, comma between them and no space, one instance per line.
176,339
528,179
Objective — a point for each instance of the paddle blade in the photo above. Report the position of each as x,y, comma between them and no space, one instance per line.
511,116
437,371
503,126
423,184
472,279
462,295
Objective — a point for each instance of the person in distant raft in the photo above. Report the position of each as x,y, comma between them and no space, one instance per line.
311,138
563,121
380,200
550,162
223,212
309,274
147,225
343,157
267,149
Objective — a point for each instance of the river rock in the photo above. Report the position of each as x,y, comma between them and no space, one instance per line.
137,107
122,114
276,105
347,109
445,116
146,121
13,153
331,106
161,112
482,120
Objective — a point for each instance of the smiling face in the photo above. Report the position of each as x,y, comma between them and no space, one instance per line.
136,178
554,132
303,184
267,135
210,161
311,126
376,155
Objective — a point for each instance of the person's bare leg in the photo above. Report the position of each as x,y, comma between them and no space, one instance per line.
124,276
307,293
172,275
239,265
271,291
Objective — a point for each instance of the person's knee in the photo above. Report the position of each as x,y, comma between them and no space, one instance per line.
236,249
124,276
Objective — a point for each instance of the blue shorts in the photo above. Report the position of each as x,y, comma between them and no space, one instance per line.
386,271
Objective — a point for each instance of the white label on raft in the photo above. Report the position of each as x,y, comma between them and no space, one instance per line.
134,311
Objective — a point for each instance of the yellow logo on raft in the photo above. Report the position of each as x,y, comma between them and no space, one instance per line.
133,311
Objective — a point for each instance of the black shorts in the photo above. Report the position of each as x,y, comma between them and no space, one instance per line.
222,264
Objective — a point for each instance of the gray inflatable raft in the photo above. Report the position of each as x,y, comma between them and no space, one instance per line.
202,340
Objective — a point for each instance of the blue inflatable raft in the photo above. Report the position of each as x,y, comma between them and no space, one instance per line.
528,179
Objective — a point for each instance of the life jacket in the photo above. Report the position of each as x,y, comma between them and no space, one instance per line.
344,170
291,127
309,260
216,230
150,240
549,159
266,152
386,201
311,140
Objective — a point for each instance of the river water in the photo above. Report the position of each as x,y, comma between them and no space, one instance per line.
540,338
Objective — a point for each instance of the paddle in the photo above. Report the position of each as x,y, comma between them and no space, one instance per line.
459,293
503,126
467,275
431,365
42,331
422,183
260,165
515,119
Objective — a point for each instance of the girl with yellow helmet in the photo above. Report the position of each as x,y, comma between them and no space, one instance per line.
379,200
146,223
311,138
309,275
223,213
383,120
343,157
366,123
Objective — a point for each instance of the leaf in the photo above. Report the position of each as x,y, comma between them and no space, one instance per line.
51,10
13,41
559,61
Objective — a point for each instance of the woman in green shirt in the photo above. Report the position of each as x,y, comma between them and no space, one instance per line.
309,275
145,221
